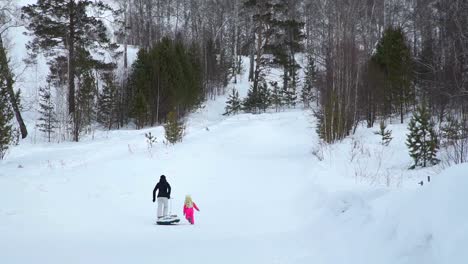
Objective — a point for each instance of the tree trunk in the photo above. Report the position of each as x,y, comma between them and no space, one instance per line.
71,72
14,104
252,51
11,94
236,29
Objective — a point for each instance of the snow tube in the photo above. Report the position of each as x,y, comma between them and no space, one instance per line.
168,220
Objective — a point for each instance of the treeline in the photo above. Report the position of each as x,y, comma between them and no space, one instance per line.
10,100
381,59
164,78
91,82
367,60
212,25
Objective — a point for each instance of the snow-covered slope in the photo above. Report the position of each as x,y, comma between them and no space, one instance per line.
267,190
30,77
264,198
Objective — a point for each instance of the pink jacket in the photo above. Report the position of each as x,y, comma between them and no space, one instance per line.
189,210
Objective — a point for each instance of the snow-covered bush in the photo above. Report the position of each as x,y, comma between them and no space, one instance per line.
455,141
174,129
384,133
150,140
422,140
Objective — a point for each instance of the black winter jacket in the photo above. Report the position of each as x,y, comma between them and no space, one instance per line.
164,189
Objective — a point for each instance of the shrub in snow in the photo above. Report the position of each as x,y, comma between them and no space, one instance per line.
257,99
290,97
422,140
150,140
233,104
307,94
48,120
455,135
107,101
277,96
174,129
384,133
140,110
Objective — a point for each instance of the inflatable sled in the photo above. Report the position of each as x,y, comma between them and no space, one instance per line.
168,220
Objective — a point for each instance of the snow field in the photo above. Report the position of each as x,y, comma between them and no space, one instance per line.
267,190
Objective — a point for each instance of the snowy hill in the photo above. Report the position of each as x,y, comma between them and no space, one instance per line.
264,197
268,191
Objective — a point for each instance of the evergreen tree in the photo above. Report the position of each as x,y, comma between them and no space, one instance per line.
384,133
394,57
264,97
108,98
168,76
455,135
174,129
67,25
286,41
7,78
277,96
86,101
422,140
47,120
310,78
251,102
321,128
290,96
233,104
140,110
150,140
257,100
6,129
265,26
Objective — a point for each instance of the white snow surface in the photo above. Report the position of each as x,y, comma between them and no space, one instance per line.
268,191
264,197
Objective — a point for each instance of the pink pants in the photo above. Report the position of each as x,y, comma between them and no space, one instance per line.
189,216
188,212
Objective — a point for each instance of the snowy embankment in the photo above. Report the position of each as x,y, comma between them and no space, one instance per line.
267,190
264,198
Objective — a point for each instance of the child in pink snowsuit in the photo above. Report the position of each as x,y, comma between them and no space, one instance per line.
188,209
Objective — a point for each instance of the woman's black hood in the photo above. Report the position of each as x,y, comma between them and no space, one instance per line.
162,178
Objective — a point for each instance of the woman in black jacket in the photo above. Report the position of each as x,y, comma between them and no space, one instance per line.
164,195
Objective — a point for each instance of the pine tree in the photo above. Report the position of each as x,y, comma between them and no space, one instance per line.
257,100
277,96
307,94
7,78
86,101
167,76
234,104
140,110
320,128
150,140
264,97
384,133
290,96
394,58
455,135
67,25
174,129
265,26
47,120
107,102
286,41
422,140
6,129
251,102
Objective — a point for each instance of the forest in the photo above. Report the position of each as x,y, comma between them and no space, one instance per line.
351,62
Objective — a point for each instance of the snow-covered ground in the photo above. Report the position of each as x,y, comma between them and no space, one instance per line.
268,191
264,197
